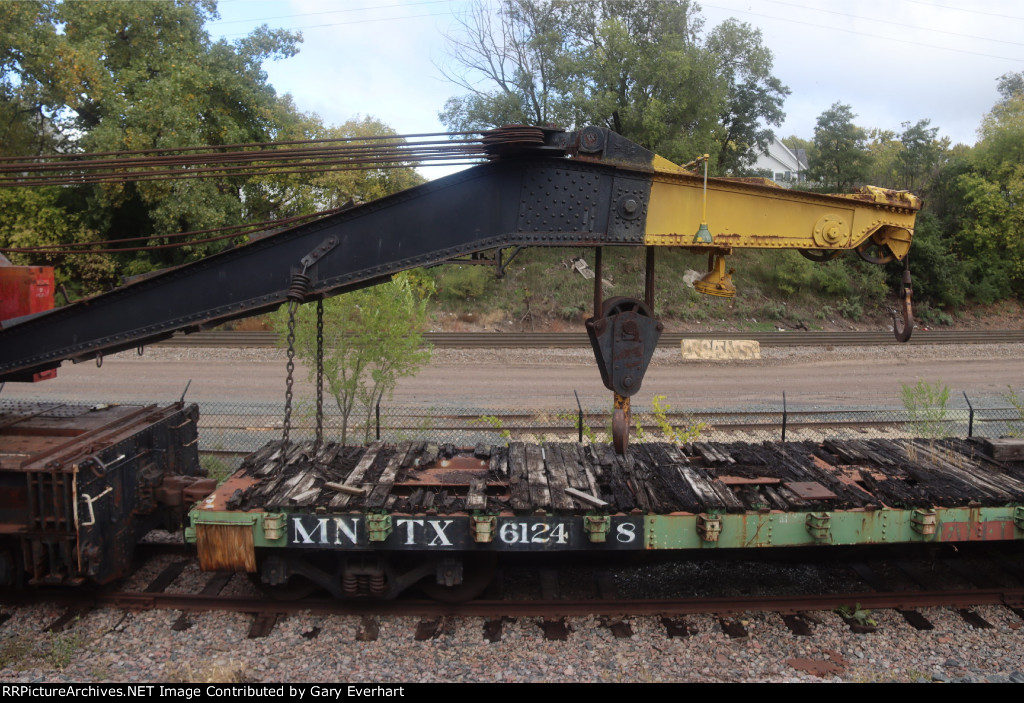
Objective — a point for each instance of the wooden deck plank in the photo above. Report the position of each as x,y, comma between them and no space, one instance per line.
519,482
355,477
557,479
380,492
540,496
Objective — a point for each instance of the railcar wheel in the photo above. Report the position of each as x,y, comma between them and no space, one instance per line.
477,573
820,256
875,253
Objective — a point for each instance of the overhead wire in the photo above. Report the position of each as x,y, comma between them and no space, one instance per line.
305,157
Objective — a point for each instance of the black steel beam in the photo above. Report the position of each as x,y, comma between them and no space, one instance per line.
527,202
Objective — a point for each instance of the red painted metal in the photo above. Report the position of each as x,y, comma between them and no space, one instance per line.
25,290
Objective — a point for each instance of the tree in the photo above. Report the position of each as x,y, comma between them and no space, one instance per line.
112,76
372,338
287,195
840,156
643,68
755,95
921,155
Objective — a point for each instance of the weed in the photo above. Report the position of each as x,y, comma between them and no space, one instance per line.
63,646
677,435
497,424
588,432
851,308
215,467
861,616
1017,402
825,312
932,316
926,407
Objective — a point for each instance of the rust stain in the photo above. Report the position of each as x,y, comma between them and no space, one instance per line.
972,531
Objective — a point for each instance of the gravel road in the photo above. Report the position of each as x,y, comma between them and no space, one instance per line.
546,378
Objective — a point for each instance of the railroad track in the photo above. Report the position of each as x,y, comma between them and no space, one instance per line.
974,586
571,340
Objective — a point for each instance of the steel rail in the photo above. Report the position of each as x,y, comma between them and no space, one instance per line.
785,604
572,340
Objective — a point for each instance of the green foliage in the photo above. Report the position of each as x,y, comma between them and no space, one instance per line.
1014,398
861,616
840,157
926,406
495,422
32,217
215,467
372,338
63,646
462,283
677,435
644,68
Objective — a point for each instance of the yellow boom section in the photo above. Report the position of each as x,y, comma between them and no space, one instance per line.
756,213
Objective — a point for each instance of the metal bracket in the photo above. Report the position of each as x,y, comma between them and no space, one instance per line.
818,525
924,521
482,528
597,527
1018,517
273,526
709,527
318,253
379,526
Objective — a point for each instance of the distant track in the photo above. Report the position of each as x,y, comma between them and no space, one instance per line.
569,340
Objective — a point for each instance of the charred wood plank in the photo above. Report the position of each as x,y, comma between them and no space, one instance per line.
519,482
540,496
358,472
557,479
380,492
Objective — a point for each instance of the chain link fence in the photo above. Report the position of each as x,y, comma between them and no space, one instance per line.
228,431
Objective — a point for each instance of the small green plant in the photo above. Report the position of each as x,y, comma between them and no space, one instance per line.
63,646
497,424
215,467
588,432
1017,402
851,308
677,435
926,406
861,616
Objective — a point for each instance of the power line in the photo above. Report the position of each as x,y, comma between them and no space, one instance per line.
894,24
329,12
865,34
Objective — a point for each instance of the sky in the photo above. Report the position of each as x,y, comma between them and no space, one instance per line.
892,61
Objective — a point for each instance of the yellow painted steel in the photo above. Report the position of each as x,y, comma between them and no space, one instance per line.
756,213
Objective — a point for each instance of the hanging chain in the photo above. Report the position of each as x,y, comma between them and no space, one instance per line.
290,370
319,372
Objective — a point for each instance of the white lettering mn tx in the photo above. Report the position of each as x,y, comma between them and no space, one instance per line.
349,529
308,537
440,538
440,535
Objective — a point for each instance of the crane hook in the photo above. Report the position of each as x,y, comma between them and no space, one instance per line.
903,320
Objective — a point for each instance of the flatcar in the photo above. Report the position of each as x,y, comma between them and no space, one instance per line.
374,521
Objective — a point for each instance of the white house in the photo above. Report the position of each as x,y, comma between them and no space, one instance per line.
786,165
